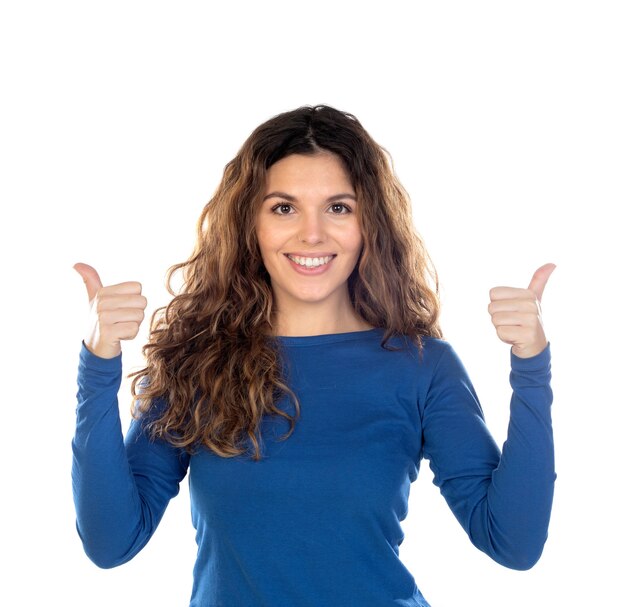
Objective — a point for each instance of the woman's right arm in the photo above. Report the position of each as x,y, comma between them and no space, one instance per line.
121,486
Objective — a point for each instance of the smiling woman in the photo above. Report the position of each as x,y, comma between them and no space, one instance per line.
299,377
310,241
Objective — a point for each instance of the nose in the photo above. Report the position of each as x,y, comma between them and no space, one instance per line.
311,229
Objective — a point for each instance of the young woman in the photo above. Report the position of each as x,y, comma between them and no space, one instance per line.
299,378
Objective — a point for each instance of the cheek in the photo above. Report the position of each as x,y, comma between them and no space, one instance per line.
263,238
357,240
269,243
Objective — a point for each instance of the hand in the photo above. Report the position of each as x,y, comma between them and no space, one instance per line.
116,312
516,314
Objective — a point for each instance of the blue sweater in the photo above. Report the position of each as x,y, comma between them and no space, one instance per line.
317,521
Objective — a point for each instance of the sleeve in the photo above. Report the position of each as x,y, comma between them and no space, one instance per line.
121,486
502,499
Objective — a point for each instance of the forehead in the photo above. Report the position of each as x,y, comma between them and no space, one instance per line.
298,171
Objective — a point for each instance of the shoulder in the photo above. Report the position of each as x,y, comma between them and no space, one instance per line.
435,363
432,349
442,356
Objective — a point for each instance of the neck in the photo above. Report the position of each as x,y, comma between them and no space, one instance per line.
310,320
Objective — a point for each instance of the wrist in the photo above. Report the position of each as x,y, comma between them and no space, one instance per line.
106,351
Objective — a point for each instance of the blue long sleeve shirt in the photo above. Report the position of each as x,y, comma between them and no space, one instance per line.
317,521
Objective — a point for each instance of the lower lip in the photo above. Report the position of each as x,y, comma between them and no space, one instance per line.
312,271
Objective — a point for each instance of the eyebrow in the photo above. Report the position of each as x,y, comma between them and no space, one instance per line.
291,198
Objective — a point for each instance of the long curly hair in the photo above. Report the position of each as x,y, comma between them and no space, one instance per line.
211,355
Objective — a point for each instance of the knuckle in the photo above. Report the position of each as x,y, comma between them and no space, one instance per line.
103,317
531,318
532,305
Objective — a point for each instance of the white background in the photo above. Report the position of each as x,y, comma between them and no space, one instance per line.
506,122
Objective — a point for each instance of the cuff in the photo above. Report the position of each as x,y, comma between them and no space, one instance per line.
96,363
533,363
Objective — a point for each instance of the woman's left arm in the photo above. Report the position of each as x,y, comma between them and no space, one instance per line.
502,500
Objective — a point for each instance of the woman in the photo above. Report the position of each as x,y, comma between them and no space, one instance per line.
299,378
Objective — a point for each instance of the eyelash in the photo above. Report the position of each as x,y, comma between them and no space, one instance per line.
336,204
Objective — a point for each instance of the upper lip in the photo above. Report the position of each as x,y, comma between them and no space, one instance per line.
312,255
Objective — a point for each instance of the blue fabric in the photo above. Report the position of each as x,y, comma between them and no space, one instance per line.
317,521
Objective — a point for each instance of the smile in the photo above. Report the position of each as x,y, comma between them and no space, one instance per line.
310,262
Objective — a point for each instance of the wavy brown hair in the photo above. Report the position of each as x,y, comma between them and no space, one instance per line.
211,356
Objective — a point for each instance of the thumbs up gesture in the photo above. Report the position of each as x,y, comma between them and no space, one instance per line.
516,314
116,312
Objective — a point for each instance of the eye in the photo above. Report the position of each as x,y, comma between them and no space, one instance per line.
340,209
282,208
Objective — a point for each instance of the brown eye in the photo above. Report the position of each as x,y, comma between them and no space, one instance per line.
282,209
340,209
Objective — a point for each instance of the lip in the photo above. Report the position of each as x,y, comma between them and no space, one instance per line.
312,255
313,271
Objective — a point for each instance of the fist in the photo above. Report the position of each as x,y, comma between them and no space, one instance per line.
516,314
116,312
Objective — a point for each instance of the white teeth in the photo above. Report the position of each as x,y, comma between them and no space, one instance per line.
310,262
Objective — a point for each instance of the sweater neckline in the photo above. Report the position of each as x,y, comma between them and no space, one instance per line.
327,338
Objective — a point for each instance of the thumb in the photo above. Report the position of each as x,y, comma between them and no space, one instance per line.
90,278
540,278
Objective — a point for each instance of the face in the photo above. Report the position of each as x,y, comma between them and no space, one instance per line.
308,232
